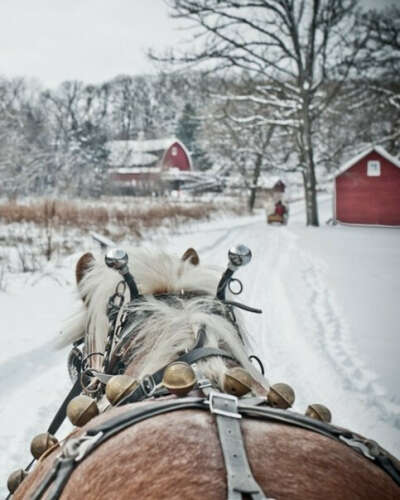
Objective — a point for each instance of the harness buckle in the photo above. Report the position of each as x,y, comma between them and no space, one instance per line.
148,385
204,383
78,448
224,404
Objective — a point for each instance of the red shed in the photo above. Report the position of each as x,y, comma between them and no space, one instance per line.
367,189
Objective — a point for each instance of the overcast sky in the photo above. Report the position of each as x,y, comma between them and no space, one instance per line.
88,40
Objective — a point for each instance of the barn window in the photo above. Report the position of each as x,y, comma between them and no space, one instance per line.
174,151
374,168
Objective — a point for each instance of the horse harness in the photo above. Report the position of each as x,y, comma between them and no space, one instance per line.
228,411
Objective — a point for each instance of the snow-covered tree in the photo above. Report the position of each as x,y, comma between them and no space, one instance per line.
381,63
79,160
188,131
290,49
24,142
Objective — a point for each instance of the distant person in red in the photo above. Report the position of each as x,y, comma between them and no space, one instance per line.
280,208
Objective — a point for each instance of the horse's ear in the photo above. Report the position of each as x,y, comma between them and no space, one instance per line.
192,256
83,265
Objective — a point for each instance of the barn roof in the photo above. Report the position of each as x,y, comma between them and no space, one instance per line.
365,152
141,152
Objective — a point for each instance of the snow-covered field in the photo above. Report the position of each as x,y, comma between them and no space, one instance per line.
329,326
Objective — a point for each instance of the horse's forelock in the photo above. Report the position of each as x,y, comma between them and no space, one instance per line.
169,330
154,271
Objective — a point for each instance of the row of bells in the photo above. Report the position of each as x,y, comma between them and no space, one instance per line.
179,378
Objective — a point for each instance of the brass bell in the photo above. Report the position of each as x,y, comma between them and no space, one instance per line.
82,409
15,479
237,381
41,443
119,386
281,395
319,412
179,378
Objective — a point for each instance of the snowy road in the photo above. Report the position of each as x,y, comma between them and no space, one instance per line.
318,331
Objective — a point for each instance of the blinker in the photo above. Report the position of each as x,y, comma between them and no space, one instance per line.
81,409
179,378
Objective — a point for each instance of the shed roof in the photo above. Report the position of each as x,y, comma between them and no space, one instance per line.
365,152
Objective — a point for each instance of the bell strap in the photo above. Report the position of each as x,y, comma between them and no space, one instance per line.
149,383
59,417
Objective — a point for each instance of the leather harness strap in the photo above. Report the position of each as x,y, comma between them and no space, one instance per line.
77,448
62,411
240,479
150,382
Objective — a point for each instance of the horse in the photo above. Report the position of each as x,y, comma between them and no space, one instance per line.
177,409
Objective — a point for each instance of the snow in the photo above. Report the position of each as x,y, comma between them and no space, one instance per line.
329,325
365,152
137,152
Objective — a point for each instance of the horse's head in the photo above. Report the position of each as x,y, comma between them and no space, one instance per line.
177,298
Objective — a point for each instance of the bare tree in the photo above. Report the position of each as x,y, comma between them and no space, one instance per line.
234,140
381,62
291,49
24,145
78,131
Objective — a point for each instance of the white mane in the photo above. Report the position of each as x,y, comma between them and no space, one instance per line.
168,331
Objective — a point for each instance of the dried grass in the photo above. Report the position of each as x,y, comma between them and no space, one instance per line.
56,215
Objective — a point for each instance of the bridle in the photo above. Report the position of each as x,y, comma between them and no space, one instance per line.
123,324
120,345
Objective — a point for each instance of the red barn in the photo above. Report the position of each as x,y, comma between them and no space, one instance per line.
176,156
144,161
367,189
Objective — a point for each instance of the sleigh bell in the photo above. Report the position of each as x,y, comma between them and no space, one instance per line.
15,479
237,381
281,395
179,378
319,412
81,409
118,387
41,443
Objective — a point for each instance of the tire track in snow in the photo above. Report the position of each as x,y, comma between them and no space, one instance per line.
15,371
304,338
327,319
